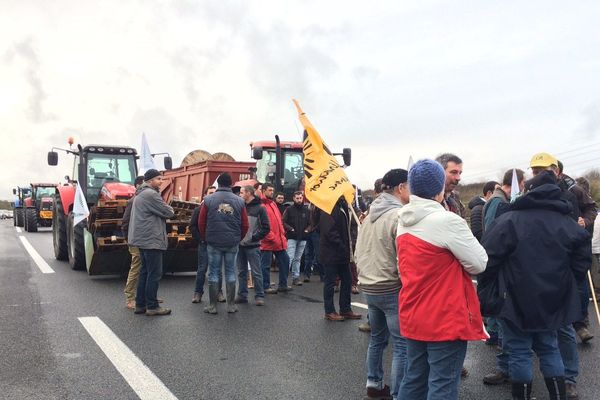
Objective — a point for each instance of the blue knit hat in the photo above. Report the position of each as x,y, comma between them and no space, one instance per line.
426,179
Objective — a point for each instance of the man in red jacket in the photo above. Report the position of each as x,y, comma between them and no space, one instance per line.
274,243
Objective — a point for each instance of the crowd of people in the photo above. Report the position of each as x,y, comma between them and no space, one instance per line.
514,276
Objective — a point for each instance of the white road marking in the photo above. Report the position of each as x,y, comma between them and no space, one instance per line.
39,261
143,381
360,305
19,230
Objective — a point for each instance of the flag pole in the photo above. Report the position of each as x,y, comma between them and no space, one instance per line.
355,217
589,274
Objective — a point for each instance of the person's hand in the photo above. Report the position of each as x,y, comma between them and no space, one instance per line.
581,222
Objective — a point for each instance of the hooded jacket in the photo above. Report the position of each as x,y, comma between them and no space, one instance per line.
536,253
147,227
497,205
259,224
275,239
376,247
476,206
436,254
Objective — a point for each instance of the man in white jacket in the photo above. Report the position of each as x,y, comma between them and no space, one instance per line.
379,280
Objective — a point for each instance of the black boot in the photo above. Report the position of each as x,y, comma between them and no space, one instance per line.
556,388
230,289
213,291
521,390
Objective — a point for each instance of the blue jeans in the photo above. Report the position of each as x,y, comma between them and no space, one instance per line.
295,250
202,268
150,274
332,271
283,263
218,256
432,370
567,345
383,316
311,257
545,345
250,255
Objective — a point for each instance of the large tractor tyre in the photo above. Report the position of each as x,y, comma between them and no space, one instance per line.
76,244
59,232
20,218
31,220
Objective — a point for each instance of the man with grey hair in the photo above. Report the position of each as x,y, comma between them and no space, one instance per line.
452,165
249,252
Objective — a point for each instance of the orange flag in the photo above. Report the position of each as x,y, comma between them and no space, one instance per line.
325,179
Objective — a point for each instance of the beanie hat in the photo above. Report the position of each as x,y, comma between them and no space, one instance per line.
224,180
393,178
540,179
426,179
151,174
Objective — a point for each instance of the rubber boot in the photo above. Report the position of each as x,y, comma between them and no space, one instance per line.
521,390
230,289
556,388
213,292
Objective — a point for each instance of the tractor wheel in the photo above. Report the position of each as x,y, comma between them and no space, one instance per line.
20,218
59,232
31,220
76,245
14,218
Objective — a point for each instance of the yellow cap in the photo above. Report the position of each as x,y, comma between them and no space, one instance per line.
543,160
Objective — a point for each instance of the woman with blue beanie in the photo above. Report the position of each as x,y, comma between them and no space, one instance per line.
439,309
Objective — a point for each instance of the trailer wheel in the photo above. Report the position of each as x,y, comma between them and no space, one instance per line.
59,232
31,220
75,244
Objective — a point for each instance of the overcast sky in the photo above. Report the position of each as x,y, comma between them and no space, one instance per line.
493,82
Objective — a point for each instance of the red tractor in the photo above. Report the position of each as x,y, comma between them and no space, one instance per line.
38,207
106,175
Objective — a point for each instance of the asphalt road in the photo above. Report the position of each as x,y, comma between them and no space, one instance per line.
284,350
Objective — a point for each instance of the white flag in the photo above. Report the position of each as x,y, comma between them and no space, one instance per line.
80,207
215,183
514,186
146,160
410,163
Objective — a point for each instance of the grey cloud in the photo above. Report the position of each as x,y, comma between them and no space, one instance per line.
35,111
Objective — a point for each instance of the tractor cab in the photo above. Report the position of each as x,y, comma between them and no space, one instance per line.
287,175
107,173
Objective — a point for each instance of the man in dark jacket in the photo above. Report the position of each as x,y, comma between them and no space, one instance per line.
296,220
148,232
136,261
202,255
250,248
588,212
531,285
453,169
476,206
567,341
335,253
223,222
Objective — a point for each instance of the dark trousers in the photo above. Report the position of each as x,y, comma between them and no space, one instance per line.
150,274
311,254
332,271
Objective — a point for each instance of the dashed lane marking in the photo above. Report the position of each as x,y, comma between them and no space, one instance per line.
19,230
39,261
143,381
360,305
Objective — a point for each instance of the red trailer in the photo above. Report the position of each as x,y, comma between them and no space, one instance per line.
187,183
